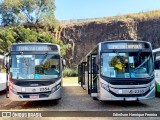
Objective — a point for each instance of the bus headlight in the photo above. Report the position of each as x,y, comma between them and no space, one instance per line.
152,84
55,88
104,86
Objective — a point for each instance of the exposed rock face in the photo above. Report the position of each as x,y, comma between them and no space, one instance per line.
84,36
149,31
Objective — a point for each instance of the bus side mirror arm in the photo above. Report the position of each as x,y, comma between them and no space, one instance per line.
63,62
6,61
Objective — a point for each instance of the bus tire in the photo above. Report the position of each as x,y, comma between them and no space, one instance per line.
157,94
57,100
95,98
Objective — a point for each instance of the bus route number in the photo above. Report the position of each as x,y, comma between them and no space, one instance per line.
44,89
136,91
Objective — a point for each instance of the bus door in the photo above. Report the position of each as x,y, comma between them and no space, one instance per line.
79,74
83,67
93,76
88,74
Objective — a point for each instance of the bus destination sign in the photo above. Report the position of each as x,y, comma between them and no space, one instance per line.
124,46
34,48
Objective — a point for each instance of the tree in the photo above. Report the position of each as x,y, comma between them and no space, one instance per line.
25,34
9,11
37,10
21,34
31,11
7,37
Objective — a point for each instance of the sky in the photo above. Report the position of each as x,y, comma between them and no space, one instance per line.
83,9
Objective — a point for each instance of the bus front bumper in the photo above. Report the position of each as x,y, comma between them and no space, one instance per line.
35,97
107,97
2,86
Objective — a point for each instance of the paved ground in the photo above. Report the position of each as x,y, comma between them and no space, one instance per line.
76,99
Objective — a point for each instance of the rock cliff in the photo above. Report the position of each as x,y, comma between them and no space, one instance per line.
85,35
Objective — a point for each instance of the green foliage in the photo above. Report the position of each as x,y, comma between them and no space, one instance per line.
37,10
7,37
20,34
22,11
25,34
8,11
37,17
141,16
68,72
63,47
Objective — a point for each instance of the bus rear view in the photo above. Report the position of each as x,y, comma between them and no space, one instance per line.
119,70
34,72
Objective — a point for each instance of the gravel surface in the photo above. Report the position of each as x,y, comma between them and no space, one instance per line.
76,99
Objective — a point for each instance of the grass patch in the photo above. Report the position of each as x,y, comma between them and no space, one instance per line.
68,72
141,16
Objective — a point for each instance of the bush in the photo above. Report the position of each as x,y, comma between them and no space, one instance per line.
68,72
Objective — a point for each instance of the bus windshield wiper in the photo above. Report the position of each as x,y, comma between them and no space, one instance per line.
118,55
139,54
26,63
44,57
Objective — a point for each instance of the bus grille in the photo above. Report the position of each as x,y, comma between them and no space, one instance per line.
34,83
129,95
129,82
41,95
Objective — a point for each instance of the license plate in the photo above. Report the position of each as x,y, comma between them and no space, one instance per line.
139,91
34,96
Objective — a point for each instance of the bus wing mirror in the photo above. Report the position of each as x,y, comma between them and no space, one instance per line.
6,61
63,62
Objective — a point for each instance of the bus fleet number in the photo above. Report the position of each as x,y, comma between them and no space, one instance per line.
44,89
136,91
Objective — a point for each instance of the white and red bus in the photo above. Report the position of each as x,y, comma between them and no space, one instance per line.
2,75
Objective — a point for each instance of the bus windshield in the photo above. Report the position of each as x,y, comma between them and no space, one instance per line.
46,66
127,65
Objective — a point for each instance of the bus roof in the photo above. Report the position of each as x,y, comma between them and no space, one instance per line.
119,41
33,43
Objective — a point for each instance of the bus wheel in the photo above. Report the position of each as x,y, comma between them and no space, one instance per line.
56,100
157,94
95,98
